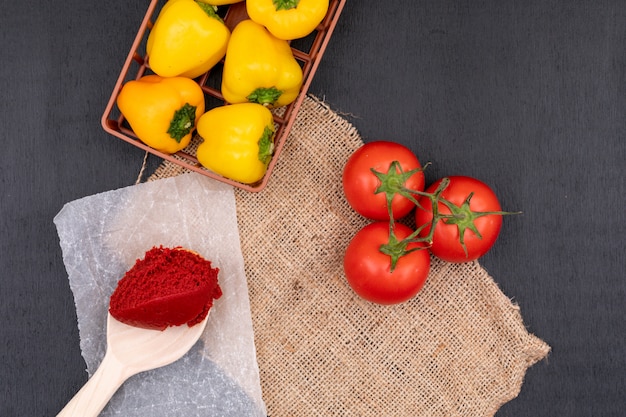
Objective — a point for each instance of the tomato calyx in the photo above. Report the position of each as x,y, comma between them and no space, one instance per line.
463,218
395,248
392,183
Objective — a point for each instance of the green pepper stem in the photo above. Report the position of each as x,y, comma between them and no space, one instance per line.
285,4
265,96
183,122
210,10
266,145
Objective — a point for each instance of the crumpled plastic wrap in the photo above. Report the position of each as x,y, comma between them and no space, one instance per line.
101,237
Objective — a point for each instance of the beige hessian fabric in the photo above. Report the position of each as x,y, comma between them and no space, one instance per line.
459,348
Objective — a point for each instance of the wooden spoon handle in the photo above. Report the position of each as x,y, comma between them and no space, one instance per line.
96,393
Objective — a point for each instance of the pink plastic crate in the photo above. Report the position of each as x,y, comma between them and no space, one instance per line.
308,51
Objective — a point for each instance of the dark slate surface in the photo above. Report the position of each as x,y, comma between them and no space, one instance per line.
528,96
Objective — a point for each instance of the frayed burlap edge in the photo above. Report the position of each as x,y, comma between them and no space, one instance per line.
459,348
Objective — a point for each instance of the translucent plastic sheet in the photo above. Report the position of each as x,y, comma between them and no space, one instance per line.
101,237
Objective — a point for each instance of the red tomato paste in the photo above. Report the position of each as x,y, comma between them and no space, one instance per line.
169,287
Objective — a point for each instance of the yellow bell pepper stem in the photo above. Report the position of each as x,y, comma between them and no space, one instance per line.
238,141
182,122
259,68
162,111
288,19
220,2
187,39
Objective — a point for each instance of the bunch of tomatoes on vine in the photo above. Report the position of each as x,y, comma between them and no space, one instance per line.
457,219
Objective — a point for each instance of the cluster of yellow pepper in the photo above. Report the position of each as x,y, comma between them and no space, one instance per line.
187,39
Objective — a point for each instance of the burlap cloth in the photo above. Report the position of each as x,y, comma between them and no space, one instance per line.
459,348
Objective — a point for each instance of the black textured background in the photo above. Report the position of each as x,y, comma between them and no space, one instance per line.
528,96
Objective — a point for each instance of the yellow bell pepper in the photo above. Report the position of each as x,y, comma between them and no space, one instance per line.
162,111
288,19
238,141
259,68
187,39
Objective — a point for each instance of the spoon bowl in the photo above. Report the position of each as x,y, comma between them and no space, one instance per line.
130,350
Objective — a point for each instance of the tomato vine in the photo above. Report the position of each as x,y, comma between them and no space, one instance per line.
462,216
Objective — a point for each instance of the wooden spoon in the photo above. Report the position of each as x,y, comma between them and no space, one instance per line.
130,350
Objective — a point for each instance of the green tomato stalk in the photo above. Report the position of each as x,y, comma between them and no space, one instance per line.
393,182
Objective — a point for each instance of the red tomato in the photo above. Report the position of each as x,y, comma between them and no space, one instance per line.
360,183
478,231
368,270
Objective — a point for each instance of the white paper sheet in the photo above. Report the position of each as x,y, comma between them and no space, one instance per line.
101,237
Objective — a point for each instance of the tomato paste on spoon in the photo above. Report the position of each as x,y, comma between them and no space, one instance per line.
169,287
